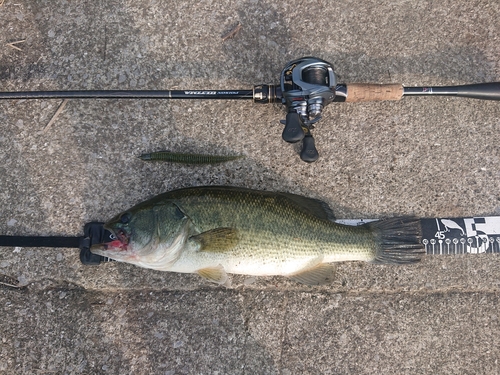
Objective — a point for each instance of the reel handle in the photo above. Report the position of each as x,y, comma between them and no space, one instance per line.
293,131
309,152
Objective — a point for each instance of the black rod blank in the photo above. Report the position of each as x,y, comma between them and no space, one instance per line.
130,94
487,91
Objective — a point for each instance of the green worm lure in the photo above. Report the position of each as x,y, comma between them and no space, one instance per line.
176,157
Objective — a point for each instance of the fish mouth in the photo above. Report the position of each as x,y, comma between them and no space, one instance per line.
119,242
121,236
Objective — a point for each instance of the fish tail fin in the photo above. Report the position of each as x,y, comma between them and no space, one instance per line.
399,240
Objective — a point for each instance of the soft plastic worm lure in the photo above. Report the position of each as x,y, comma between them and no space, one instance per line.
176,157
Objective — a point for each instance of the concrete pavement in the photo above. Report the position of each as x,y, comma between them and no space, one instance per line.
430,157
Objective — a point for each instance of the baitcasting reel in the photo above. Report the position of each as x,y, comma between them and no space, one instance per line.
307,86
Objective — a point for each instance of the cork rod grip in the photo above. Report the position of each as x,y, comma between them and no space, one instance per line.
368,92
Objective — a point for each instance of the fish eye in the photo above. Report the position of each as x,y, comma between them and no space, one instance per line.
125,218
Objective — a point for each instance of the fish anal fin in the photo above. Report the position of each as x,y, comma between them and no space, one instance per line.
319,274
217,240
215,274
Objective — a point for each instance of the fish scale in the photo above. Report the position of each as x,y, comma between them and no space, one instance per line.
280,229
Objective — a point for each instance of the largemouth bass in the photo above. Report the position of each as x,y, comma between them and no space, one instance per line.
213,231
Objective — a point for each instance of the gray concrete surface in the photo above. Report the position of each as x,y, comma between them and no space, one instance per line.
423,156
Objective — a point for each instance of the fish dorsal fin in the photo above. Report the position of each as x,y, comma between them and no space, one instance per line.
321,273
312,206
218,240
215,274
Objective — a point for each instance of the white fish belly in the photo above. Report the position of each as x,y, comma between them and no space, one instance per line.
243,266
268,268
269,256
256,264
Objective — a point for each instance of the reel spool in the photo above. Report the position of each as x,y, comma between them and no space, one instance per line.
307,86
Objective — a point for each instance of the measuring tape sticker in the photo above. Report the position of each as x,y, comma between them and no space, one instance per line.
463,235
472,235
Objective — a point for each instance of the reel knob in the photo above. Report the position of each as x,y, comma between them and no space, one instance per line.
309,153
293,131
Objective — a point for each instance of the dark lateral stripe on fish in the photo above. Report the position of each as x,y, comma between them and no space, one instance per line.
176,157
399,240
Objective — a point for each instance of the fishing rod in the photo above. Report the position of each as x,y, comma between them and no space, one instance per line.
307,85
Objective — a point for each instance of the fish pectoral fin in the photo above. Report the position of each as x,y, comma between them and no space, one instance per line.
319,274
218,240
215,274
